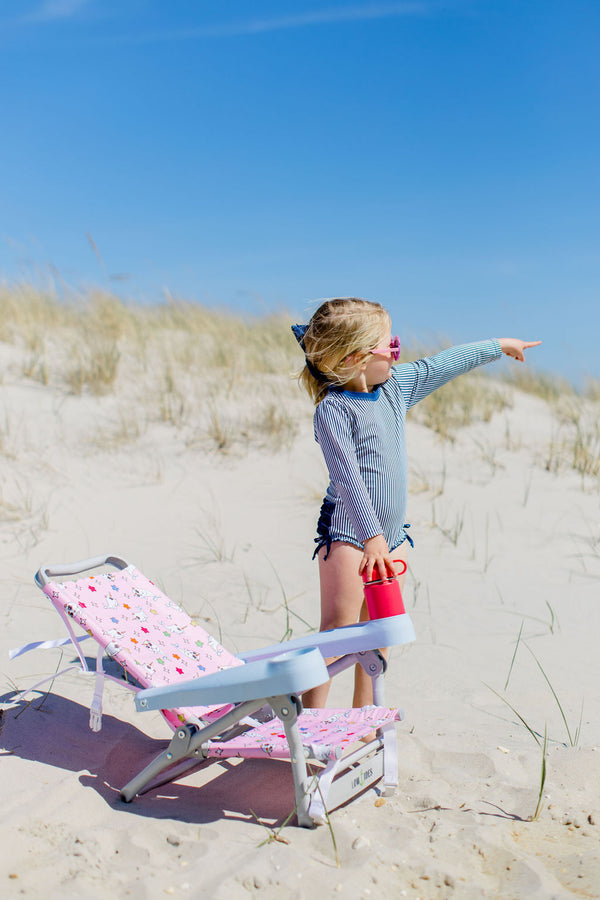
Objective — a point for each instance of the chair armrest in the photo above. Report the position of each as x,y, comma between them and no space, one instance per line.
292,672
372,635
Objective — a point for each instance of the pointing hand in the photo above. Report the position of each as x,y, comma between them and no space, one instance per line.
515,348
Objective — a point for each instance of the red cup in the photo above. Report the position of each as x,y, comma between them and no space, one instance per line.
383,595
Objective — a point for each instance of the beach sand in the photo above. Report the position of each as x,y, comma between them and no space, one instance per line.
503,547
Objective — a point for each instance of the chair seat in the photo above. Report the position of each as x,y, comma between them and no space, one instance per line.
324,732
174,660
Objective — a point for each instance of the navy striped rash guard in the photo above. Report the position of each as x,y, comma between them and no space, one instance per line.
362,436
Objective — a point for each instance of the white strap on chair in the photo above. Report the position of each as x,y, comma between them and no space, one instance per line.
44,645
96,705
318,803
14,701
41,645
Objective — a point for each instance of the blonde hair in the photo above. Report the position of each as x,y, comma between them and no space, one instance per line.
341,327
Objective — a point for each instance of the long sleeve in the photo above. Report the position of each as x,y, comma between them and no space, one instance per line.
333,431
420,378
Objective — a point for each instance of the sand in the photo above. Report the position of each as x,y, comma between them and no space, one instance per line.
502,545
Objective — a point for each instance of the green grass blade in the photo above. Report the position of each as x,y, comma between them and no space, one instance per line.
539,807
552,618
512,662
558,703
519,716
578,729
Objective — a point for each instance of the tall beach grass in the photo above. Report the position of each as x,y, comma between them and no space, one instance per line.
176,363
190,367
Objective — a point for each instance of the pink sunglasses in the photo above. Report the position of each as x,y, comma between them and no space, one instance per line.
392,349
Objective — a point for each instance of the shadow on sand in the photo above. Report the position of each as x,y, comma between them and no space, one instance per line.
58,735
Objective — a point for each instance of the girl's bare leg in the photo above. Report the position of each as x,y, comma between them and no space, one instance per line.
342,603
341,600
363,687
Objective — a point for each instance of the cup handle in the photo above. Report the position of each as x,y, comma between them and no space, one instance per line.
403,570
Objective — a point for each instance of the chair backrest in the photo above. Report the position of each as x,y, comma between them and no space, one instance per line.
148,634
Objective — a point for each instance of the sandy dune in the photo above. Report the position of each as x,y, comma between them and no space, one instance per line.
501,544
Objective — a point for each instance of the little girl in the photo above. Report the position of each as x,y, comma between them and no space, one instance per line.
361,400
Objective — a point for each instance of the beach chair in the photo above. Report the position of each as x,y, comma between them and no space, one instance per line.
220,705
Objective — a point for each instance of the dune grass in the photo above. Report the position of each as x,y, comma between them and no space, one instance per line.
97,344
187,366
546,386
575,444
173,363
543,772
461,403
573,734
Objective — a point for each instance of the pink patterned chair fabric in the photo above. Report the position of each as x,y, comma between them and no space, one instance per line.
157,643
148,634
324,731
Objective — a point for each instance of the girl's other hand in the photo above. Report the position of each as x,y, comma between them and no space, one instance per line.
376,558
515,348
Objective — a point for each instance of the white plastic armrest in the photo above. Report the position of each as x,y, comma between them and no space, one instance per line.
372,635
292,672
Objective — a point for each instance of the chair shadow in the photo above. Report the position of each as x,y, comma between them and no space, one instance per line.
58,734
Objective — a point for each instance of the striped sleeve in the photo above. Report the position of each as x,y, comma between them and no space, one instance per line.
333,431
420,378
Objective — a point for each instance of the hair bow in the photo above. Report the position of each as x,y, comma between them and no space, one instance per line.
299,332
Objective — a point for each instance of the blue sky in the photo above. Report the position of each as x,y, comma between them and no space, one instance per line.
441,157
